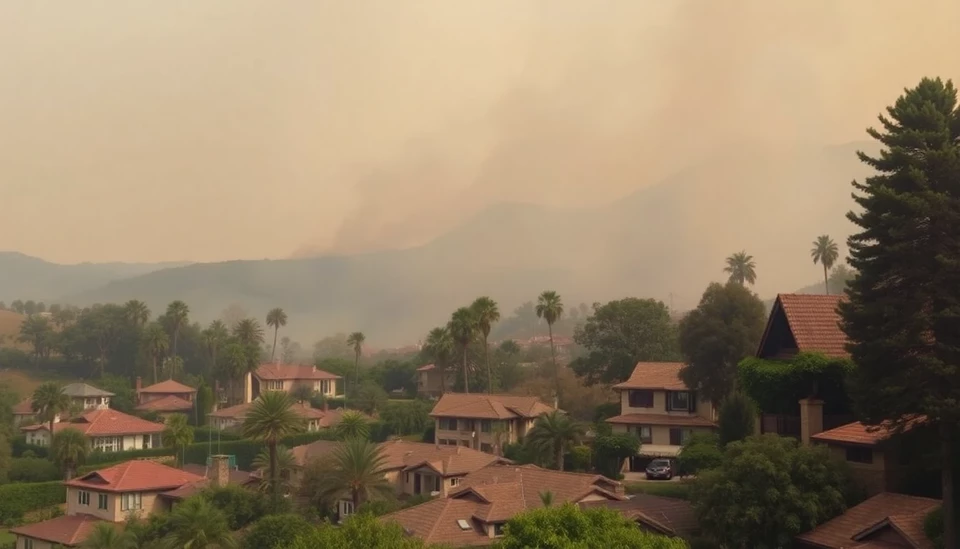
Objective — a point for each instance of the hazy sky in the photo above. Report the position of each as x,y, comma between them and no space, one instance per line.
140,130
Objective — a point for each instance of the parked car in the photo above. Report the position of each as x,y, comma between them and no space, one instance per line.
660,469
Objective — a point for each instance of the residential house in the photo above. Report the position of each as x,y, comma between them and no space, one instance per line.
485,422
107,429
217,474
165,398
87,397
108,495
282,377
23,413
884,521
661,410
316,419
671,517
476,513
430,382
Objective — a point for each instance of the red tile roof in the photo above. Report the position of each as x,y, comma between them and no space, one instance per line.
662,419
484,406
168,387
865,435
69,530
814,322
107,422
426,368
135,476
169,403
859,522
290,372
24,407
658,376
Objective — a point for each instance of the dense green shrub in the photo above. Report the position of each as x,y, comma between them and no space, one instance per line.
205,434
777,385
700,452
27,469
18,499
18,446
276,532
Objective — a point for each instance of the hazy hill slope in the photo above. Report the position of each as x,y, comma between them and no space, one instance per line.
668,238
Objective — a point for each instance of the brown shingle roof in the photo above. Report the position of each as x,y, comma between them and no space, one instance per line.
859,521
135,476
669,516
814,322
168,387
662,419
858,433
290,371
68,530
169,403
483,406
662,376
565,486
104,422
400,454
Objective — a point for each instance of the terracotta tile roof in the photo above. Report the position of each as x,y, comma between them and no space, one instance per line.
858,433
168,387
662,419
400,454
661,376
24,407
84,390
169,403
327,419
135,476
484,406
868,517
68,530
668,516
436,522
291,371
426,368
564,486
104,422
814,322
237,477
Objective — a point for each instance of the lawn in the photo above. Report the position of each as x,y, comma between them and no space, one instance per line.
6,538
670,489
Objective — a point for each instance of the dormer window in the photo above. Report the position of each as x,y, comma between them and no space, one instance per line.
498,529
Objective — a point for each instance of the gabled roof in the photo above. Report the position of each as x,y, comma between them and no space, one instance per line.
904,514
662,419
168,387
484,406
84,390
668,516
864,435
135,476
813,321
169,403
68,530
565,486
657,376
236,477
24,407
274,371
400,454
103,423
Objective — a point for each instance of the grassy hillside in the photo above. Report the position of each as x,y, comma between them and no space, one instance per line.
10,329
21,383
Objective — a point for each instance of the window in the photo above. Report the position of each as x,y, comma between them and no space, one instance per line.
486,426
679,437
448,424
83,497
645,434
678,400
437,484
108,444
486,448
346,508
274,385
130,501
641,399
455,481
102,501
27,543
859,454
498,529
406,477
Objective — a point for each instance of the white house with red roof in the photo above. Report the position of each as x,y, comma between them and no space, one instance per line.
107,429
275,376
165,398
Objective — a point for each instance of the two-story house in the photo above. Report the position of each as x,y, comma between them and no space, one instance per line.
430,381
663,412
485,422
108,495
87,397
314,418
281,377
165,398
107,429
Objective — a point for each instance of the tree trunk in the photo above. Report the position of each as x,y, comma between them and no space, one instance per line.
154,357
274,483
273,351
176,336
946,481
486,358
556,370
826,280
229,389
356,371
559,457
466,379
355,497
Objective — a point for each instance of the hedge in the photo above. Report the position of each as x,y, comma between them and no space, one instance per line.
18,445
204,434
33,470
777,385
19,499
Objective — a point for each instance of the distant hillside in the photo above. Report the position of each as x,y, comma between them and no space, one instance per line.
670,238
10,329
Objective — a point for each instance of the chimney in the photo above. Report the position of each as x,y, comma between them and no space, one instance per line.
221,470
811,418
139,388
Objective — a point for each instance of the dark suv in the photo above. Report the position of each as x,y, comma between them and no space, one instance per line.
660,469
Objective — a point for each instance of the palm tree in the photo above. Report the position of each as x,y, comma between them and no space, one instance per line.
177,434
741,268
48,401
439,347
156,344
555,433
108,535
487,313
276,318
825,252
357,471
352,425
285,464
249,332
269,419
173,366
356,340
463,328
197,524
177,314
237,360
136,312
550,308
69,450
214,337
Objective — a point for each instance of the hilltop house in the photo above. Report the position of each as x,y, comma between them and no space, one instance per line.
430,382
165,398
281,377
485,422
87,397
663,412
107,429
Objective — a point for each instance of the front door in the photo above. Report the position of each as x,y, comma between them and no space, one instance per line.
416,483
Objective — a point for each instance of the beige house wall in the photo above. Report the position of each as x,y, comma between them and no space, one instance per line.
37,543
147,397
41,437
149,501
873,476
705,408
660,433
430,382
469,433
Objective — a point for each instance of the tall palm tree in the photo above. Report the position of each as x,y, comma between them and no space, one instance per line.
550,308
236,361
352,425
439,346
269,419
249,332
173,366
285,464
214,337
155,344
463,329
825,252
177,434
741,268
197,524
69,450
555,433
276,318
357,471
177,314
109,535
356,341
487,313
48,401
136,312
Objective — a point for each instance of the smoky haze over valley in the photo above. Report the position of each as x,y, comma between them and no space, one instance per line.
396,159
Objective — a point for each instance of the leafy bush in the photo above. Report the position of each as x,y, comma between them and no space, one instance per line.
579,458
18,499
240,505
778,385
612,449
933,527
701,452
206,434
276,532
19,447
738,418
26,469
